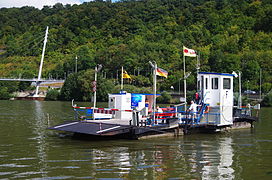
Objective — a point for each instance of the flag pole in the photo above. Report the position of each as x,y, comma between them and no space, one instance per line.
154,90
154,68
197,69
184,74
260,92
122,80
95,80
96,70
240,91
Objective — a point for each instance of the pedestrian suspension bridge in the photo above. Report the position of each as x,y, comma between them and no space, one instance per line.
38,80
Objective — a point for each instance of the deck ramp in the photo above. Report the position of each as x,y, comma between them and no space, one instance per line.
92,128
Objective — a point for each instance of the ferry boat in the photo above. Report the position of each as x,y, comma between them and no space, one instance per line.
130,115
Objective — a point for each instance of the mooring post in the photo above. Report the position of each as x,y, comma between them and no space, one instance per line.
48,120
133,118
177,132
137,118
185,130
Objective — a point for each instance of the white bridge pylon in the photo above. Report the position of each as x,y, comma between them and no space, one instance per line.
38,80
41,63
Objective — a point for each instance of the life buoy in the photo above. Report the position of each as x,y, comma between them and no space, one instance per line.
207,109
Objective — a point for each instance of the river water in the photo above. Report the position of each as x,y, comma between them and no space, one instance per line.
29,151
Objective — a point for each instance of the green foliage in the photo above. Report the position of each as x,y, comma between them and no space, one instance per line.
141,81
10,85
266,87
190,96
77,86
86,58
229,35
85,79
104,88
52,95
4,93
24,86
164,98
267,101
70,89
135,89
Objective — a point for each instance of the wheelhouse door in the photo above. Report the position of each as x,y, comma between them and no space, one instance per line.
226,100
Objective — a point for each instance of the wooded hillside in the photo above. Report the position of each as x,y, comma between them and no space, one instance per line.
229,35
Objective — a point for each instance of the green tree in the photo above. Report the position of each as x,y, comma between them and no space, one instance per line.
4,93
164,98
52,95
267,101
71,89
229,35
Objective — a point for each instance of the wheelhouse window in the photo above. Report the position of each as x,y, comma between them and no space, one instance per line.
226,83
214,83
202,83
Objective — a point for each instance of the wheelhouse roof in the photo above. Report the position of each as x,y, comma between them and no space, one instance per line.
134,93
221,74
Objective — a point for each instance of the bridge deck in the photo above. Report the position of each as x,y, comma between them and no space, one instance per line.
32,80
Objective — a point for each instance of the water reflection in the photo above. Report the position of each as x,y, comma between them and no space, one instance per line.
209,158
39,129
199,159
226,159
218,164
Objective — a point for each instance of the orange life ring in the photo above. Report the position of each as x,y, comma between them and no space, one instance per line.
207,109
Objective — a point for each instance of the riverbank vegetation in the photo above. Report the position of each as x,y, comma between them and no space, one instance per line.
229,35
267,100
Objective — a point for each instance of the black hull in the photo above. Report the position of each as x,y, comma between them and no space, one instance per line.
103,131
